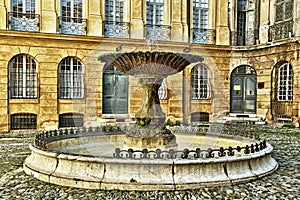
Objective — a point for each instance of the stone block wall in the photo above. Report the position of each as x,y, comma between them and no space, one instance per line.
48,50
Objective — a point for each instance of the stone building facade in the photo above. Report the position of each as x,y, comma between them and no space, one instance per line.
50,75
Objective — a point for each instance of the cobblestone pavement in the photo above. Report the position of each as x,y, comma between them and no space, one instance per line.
282,184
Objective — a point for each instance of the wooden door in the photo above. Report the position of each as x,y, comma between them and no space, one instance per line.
115,91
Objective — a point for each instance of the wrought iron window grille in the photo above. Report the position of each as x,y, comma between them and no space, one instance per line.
115,29
244,38
204,36
200,117
281,30
72,25
158,32
23,22
70,120
283,27
23,121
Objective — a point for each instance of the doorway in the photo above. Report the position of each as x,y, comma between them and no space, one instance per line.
115,91
243,90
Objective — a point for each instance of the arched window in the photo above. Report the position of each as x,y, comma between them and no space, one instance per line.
71,74
282,92
23,16
70,120
23,77
285,83
200,82
23,121
162,91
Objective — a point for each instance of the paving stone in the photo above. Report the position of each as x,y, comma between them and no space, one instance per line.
282,184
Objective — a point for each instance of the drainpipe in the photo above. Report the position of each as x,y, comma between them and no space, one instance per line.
184,120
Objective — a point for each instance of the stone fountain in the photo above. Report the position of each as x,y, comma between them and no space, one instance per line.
150,68
148,157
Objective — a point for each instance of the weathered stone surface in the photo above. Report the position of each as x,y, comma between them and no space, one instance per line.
283,184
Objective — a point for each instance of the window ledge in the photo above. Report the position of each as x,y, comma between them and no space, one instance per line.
72,100
34,101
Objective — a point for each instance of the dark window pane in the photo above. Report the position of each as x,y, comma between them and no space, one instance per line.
23,121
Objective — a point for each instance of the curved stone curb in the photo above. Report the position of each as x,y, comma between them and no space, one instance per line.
128,174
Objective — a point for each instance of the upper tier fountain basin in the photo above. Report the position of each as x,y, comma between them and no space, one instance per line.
98,160
157,63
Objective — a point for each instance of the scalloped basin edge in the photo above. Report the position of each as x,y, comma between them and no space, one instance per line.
147,174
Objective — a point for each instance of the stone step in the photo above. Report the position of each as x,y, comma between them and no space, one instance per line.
242,118
242,115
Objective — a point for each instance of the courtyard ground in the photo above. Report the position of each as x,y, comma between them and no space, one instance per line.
282,184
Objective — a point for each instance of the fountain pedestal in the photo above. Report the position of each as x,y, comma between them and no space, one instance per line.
150,131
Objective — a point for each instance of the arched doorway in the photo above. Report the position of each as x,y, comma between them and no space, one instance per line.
115,91
243,90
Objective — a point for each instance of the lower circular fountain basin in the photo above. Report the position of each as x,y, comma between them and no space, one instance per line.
90,161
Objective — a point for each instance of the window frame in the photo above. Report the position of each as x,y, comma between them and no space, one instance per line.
18,121
163,90
72,22
199,16
24,7
21,79
283,4
203,91
285,85
69,75
151,5
118,8
66,120
72,9
23,17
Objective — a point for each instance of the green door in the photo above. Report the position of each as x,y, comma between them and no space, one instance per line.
115,91
243,90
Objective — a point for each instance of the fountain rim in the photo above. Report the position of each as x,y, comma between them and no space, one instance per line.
107,173
43,138
86,158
